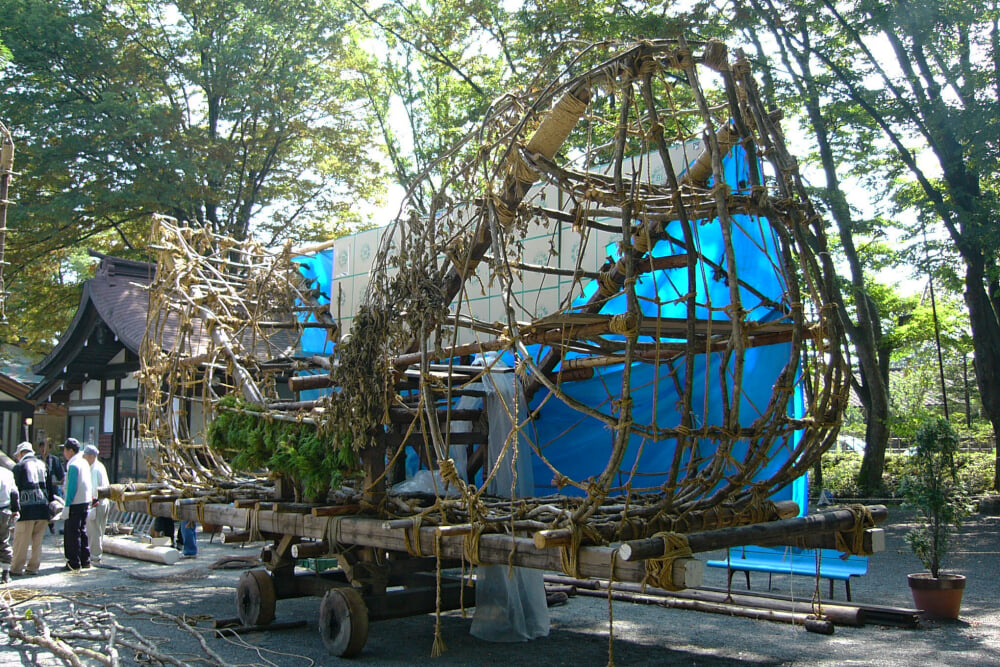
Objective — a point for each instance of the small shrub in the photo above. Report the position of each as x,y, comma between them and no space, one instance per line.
933,487
840,475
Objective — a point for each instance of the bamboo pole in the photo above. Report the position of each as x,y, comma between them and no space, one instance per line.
672,602
847,614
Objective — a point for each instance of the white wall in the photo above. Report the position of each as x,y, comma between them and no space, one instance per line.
555,246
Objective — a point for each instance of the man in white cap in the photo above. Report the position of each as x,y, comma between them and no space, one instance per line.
97,518
9,511
35,491
78,494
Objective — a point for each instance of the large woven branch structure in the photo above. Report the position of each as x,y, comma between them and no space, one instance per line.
701,368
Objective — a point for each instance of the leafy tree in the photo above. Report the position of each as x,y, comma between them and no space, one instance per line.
238,116
793,82
925,110
949,95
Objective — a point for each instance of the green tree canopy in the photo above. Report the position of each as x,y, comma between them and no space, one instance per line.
238,116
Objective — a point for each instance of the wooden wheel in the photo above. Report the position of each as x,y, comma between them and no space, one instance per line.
343,622
255,598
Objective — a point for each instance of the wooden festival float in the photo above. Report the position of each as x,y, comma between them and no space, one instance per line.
663,403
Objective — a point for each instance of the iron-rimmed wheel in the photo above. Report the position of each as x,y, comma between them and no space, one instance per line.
343,622
255,598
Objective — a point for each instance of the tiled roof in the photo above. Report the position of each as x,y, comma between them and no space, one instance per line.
111,317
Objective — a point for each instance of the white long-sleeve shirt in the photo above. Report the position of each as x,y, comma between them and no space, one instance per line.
79,484
98,476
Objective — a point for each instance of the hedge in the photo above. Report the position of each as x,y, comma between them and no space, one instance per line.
840,473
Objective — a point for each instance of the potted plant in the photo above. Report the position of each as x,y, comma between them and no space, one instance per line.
933,488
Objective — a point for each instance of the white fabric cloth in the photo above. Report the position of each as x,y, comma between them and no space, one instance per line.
510,601
7,486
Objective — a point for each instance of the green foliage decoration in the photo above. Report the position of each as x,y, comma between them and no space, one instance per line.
316,459
934,488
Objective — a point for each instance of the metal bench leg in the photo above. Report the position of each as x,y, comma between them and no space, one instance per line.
747,572
831,589
847,587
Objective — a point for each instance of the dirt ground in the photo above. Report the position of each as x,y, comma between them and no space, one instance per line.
643,635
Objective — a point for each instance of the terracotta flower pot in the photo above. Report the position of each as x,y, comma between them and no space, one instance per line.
940,597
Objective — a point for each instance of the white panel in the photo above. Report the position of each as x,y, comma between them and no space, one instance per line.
343,256
118,358
130,381
479,308
109,415
365,248
197,421
91,389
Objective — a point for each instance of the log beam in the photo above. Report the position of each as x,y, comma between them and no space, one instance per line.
759,533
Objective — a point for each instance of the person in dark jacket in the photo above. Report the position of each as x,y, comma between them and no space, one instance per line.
35,491
56,471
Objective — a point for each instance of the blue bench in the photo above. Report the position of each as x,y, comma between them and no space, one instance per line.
793,560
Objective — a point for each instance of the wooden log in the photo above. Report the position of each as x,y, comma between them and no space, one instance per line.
288,508
139,551
758,614
306,382
461,529
692,521
335,510
234,537
842,614
572,375
903,617
873,541
289,406
722,538
363,531
310,549
241,503
549,539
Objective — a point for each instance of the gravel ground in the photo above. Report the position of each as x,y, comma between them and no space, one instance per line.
579,633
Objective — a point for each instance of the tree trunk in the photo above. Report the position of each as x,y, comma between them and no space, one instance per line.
873,463
986,343
866,333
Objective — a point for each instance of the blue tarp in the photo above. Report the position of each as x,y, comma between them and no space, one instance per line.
318,270
579,446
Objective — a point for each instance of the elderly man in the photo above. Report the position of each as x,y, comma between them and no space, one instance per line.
35,491
97,518
78,495
9,509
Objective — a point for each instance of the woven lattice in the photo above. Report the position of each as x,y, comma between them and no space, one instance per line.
705,353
